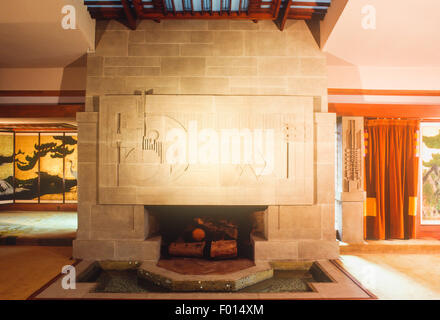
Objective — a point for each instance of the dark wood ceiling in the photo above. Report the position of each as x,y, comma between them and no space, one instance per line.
276,10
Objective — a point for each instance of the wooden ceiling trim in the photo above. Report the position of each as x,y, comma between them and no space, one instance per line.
405,111
277,10
42,93
40,110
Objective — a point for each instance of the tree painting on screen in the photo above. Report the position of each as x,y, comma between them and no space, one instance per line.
6,167
38,168
431,174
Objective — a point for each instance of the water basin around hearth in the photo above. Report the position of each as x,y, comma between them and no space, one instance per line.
128,280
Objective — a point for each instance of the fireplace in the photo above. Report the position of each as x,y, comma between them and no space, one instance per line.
200,133
206,232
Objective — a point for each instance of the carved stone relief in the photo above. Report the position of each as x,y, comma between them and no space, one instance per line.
164,149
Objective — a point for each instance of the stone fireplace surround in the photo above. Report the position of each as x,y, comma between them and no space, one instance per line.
208,58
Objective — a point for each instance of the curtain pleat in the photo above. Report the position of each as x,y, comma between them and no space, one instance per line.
391,172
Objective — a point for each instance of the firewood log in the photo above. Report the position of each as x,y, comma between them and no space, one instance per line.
186,249
220,229
223,249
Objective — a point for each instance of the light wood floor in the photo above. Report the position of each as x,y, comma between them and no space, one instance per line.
397,276
24,269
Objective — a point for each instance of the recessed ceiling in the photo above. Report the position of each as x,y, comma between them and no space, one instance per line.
405,35
31,34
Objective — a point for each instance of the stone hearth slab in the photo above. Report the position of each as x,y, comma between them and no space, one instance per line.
213,282
204,266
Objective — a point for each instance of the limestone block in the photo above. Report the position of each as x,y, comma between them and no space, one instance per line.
93,249
197,50
211,85
292,217
258,82
318,249
185,24
132,61
265,43
131,71
325,184
155,83
267,25
112,217
353,222
112,43
243,25
149,25
275,250
120,195
87,117
159,50
231,71
87,133
279,66
168,37
182,66
302,44
146,250
118,222
89,104
272,221
94,65
84,221
201,36
136,36
228,43
87,184
359,196
328,221
219,25
87,152
296,234
315,86
231,62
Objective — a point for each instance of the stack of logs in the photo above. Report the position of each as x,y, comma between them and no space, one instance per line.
205,236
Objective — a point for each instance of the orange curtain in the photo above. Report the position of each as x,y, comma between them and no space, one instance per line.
391,173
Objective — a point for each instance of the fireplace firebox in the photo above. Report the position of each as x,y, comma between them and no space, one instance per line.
206,232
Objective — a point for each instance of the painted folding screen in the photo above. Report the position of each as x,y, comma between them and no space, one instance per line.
26,167
43,170
6,167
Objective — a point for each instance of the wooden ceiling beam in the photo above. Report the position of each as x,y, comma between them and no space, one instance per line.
138,8
311,4
128,14
281,19
277,8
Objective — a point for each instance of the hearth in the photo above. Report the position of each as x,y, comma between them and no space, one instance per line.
206,232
